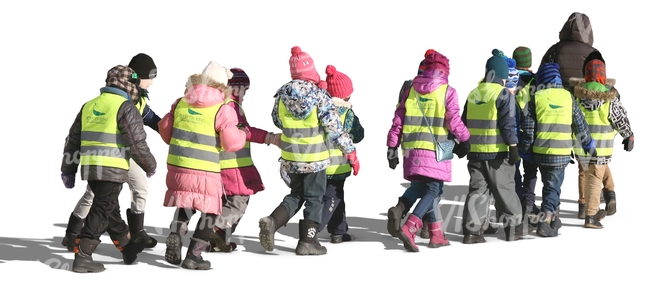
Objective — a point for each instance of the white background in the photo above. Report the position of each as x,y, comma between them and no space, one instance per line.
55,55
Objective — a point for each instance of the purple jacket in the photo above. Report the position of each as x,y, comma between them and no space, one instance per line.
420,162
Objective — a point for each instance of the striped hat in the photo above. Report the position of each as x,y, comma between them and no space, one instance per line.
523,56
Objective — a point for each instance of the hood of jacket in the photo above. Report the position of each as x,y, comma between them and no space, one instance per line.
300,97
204,91
593,95
577,28
424,85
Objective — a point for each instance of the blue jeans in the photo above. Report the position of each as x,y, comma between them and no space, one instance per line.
552,178
429,191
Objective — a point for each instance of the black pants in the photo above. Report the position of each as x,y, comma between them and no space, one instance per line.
104,214
307,189
334,209
204,227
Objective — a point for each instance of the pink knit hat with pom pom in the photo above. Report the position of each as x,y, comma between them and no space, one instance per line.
436,64
302,66
339,85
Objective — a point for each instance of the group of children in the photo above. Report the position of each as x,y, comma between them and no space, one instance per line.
513,115
209,163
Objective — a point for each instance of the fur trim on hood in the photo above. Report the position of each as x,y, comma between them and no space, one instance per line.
196,79
340,102
575,81
586,94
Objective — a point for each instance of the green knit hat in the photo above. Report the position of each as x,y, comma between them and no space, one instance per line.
497,65
523,56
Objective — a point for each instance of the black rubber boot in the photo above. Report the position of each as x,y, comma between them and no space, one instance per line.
308,243
396,214
174,242
581,211
136,227
130,248
83,260
514,233
549,225
193,259
610,201
75,224
473,239
219,243
269,225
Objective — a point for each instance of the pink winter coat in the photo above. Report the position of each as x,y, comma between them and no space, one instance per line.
194,189
246,180
422,162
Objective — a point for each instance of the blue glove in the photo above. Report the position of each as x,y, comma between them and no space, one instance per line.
527,157
68,180
591,148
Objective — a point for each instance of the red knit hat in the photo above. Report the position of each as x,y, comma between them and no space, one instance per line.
339,85
302,66
595,72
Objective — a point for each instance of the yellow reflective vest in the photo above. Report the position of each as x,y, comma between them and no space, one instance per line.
601,130
101,139
415,132
303,140
339,164
240,158
482,119
554,113
195,142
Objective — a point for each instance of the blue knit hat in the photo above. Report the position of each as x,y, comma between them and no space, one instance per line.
497,64
513,74
548,73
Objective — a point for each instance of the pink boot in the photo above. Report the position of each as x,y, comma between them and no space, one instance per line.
437,236
408,232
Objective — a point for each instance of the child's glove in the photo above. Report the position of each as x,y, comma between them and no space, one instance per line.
68,180
628,143
392,157
150,174
513,155
462,149
590,149
354,162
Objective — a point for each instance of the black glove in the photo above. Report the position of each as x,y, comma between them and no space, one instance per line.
462,149
513,155
628,143
393,158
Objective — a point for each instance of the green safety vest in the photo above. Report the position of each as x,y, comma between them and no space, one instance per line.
415,132
339,164
481,117
601,130
240,158
303,140
101,139
554,113
195,143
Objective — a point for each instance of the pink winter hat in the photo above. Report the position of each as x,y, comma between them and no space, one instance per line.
437,64
339,85
302,66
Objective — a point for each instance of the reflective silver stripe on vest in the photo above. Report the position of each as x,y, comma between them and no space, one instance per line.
336,159
242,153
195,137
104,151
303,148
101,137
193,153
555,128
600,129
482,124
485,139
552,143
412,137
419,121
604,143
301,132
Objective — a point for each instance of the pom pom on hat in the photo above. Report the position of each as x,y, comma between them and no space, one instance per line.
513,74
421,67
301,66
339,85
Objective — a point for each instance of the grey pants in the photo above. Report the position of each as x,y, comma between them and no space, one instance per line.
497,177
138,185
233,210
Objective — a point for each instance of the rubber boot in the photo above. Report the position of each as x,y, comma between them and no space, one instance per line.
335,239
308,243
83,256
130,247
581,211
136,227
269,225
437,238
175,242
548,226
610,201
75,224
408,232
218,242
193,259
514,233
424,232
396,214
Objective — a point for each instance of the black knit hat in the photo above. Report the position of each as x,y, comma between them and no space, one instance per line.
144,66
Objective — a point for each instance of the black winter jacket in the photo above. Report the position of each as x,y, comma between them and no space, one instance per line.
129,122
